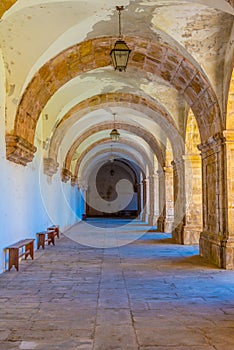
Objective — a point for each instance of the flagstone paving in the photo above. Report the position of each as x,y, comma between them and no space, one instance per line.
149,294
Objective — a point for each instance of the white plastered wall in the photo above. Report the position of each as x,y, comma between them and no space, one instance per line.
30,201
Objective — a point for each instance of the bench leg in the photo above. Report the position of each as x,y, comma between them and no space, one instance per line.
57,231
13,258
30,249
50,237
41,240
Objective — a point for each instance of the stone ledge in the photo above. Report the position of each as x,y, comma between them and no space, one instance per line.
19,150
50,166
66,175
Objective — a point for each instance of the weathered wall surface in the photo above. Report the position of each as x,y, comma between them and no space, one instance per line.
29,201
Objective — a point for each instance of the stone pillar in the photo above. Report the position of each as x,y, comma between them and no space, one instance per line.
229,135
179,201
143,186
156,197
161,222
145,200
153,200
193,227
139,200
216,243
169,198
84,188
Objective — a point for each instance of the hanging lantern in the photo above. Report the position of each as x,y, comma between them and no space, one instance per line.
120,53
114,134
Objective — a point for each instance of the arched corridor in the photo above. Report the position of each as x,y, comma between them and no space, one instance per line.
133,161
148,294
171,107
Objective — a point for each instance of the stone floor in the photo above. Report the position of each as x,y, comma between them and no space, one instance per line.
150,294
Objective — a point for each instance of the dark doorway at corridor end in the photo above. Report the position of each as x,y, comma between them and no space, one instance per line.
115,193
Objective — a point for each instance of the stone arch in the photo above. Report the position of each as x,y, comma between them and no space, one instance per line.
66,171
50,167
154,57
141,104
5,5
95,160
69,156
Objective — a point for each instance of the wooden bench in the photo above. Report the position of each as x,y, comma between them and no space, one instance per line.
25,248
46,237
54,228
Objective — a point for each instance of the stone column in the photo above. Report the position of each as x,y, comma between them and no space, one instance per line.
161,222
193,226
139,200
179,201
153,200
169,198
145,200
216,243
84,188
229,136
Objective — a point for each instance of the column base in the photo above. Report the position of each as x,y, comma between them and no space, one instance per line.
177,234
217,250
145,217
168,225
161,224
191,235
152,220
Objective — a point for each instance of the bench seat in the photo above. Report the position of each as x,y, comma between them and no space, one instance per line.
27,249
45,236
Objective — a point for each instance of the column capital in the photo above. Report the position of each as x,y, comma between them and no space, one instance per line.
177,161
50,166
65,174
213,144
167,169
229,135
19,150
178,164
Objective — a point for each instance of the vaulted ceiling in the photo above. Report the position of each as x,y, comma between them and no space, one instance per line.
62,91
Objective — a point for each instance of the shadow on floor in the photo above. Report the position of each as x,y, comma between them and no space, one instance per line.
195,260
157,241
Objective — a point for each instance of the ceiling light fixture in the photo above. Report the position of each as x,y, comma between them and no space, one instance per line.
120,53
114,134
